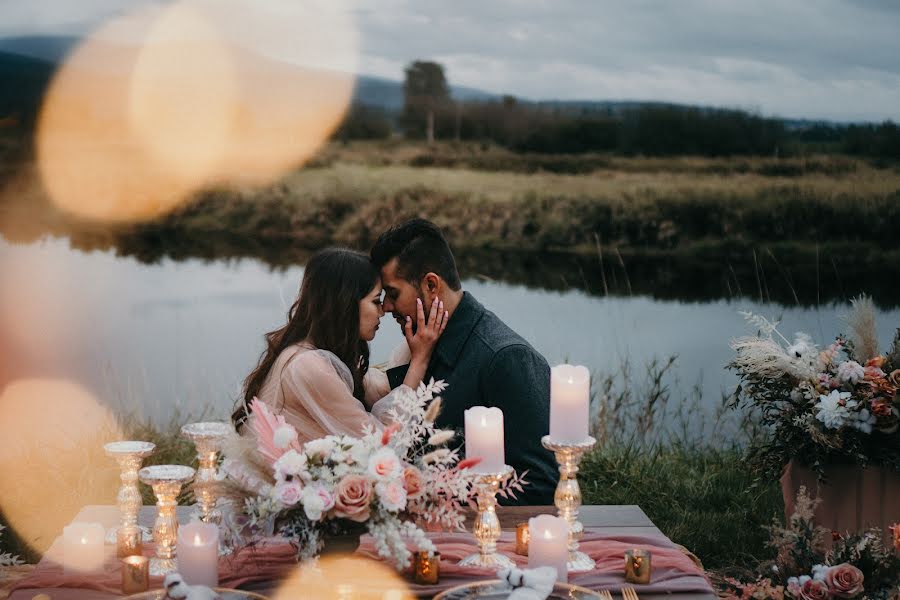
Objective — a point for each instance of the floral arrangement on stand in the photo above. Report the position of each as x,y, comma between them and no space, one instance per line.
840,404
390,483
857,566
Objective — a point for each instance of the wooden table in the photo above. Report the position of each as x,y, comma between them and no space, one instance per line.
618,519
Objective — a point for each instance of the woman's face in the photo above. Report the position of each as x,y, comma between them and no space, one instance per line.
370,312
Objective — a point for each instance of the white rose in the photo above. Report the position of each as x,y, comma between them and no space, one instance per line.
392,495
850,371
316,501
384,465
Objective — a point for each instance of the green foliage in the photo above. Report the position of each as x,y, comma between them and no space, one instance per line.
703,499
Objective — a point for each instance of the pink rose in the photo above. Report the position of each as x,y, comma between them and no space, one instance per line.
392,495
814,590
384,464
288,493
354,493
844,581
414,482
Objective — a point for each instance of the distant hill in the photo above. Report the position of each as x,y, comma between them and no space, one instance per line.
27,63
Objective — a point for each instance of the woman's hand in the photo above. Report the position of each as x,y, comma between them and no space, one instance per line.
422,343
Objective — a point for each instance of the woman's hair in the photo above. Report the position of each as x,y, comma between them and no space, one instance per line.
326,313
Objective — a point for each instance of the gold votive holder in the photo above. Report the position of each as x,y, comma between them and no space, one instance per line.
135,574
427,568
129,541
522,538
637,566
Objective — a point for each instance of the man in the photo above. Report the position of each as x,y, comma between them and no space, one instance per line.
483,361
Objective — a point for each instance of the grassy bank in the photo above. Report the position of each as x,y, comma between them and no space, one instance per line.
349,194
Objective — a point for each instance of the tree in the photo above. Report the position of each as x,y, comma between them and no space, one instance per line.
425,92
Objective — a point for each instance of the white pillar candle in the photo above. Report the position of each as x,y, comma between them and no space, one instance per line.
83,547
548,544
198,553
484,438
570,391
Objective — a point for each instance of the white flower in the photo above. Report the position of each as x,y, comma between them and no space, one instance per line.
340,470
863,420
322,446
359,452
392,495
833,412
850,371
801,347
284,437
819,572
316,501
384,465
290,463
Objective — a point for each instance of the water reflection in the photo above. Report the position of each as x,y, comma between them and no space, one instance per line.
174,338
787,274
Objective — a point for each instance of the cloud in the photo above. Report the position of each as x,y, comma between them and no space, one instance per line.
806,58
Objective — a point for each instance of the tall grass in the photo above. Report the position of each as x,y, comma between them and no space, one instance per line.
683,465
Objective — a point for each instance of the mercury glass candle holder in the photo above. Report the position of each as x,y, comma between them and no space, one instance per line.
207,439
130,455
166,481
568,496
487,525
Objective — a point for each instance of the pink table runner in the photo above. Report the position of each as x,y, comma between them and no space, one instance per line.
673,572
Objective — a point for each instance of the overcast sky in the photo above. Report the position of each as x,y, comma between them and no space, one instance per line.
834,59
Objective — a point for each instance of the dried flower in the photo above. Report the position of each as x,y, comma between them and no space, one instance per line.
434,409
441,436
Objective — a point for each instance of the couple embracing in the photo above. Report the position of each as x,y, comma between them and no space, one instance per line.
315,369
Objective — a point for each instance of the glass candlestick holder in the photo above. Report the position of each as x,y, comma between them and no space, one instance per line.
129,455
166,481
487,525
207,439
568,496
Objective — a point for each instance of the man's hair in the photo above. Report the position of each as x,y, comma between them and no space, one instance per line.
420,248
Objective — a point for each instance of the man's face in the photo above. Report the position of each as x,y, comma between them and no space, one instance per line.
399,294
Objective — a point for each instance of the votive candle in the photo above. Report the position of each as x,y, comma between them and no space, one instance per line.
570,390
548,544
522,535
637,566
427,568
135,574
83,547
484,438
198,553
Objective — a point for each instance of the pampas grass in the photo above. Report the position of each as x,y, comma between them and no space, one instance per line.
863,335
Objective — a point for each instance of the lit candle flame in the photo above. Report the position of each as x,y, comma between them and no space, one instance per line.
197,540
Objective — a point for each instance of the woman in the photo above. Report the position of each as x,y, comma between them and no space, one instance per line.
314,370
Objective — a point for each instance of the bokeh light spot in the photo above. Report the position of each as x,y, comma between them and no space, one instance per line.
344,578
52,462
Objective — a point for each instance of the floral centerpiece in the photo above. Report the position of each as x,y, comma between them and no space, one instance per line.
390,483
837,405
857,566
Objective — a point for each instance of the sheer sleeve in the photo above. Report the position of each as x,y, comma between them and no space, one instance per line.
318,397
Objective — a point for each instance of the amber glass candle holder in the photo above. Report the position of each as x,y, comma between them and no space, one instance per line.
427,568
135,574
637,566
522,538
129,541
